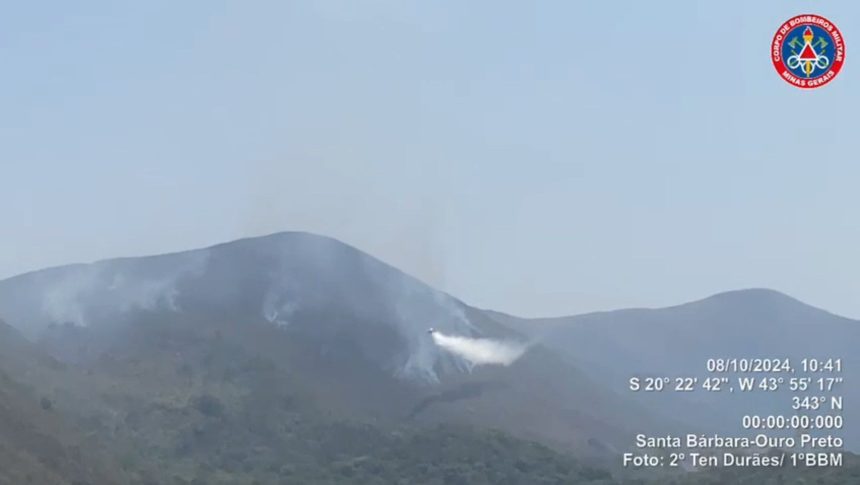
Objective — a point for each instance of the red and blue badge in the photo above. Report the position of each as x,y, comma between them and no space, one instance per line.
808,51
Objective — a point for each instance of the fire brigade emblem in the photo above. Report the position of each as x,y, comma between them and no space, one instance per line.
808,51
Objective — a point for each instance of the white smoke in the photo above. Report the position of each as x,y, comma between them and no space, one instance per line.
481,351
278,309
116,287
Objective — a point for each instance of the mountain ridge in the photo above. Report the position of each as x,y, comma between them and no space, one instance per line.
740,293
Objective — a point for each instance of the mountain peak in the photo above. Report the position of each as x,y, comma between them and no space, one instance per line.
754,294
763,299
307,284
285,236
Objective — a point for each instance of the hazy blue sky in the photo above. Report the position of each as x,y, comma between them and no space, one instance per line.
541,160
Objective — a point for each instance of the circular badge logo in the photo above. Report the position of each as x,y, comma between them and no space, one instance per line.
808,51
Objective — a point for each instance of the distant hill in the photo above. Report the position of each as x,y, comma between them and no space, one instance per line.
677,341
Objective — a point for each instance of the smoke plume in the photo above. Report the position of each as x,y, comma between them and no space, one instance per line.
480,351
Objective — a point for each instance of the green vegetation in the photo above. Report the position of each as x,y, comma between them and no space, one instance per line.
343,453
216,414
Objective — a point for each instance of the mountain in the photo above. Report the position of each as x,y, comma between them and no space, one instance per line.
294,358
677,341
310,284
298,323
